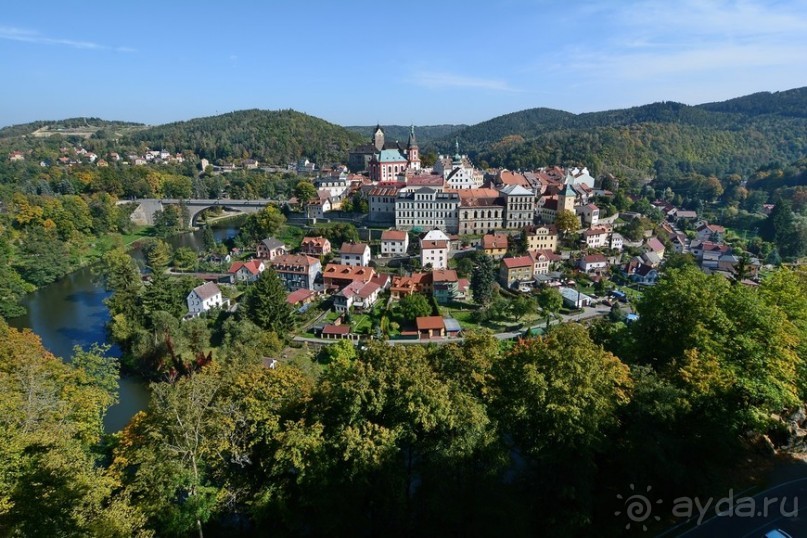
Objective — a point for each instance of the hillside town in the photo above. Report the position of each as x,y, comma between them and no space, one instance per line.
426,229
543,229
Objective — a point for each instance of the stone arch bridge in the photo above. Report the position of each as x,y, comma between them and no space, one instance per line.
147,207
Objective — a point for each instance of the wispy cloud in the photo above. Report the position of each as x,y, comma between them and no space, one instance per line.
31,36
436,80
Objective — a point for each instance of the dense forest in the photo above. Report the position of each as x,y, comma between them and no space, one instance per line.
270,136
662,140
479,438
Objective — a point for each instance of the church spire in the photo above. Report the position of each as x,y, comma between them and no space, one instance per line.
412,140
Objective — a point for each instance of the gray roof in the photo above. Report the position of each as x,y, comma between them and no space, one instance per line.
452,325
516,190
206,291
272,243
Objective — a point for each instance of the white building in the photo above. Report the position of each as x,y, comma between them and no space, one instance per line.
334,185
617,241
519,207
596,237
394,242
355,254
460,176
203,298
434,252
426,208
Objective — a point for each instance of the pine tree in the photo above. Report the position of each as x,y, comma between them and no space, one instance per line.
482,280
265,303
208,239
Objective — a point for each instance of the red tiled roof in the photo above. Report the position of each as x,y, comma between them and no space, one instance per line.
348,272
432,180
299,296
444,275
384,191
318,241
654,244
253,266
353,248
595,231
513,178
393,235
494,241
594,258
336,329
546,253
520,261
431,245
293,260
430,322
368,289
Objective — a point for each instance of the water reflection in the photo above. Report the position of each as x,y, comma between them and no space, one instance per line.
71,312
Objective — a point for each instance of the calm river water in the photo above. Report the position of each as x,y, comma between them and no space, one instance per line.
71,312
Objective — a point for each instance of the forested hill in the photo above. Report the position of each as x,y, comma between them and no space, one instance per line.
272,136
83,127
424,133
786,103
655,140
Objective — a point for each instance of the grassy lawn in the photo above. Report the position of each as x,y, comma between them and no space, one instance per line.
362,324
462,316
110,241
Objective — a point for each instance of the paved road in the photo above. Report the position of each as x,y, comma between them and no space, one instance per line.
781,507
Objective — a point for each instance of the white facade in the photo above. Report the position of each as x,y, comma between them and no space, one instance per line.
616,241
427,208
357,255
434,253
394,244
461,177
596,239
203,298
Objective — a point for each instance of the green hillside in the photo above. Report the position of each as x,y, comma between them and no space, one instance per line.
273,136
663,140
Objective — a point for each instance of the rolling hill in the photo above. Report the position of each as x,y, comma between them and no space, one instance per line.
82,127
655,140
273,136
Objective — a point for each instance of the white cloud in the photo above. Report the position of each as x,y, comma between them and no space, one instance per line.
436,80
30,36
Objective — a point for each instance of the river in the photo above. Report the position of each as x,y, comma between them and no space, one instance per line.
71,312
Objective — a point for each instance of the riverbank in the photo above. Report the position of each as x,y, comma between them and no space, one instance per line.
71,312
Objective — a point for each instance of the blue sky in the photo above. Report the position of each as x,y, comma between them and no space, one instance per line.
361,62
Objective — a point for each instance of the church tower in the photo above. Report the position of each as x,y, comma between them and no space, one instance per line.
378,138
567,197
412,151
